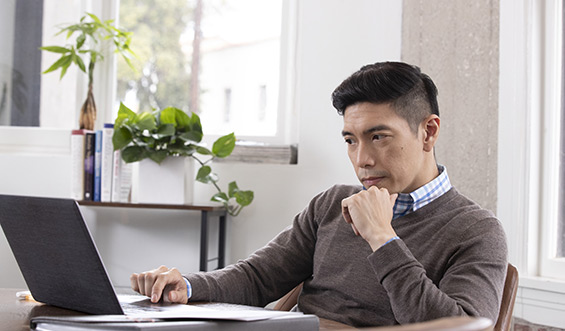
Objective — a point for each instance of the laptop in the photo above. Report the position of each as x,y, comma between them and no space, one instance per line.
56,254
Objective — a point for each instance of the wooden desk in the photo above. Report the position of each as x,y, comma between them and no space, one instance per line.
16,314
205,213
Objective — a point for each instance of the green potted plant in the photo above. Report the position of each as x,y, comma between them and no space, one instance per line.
93,37
173,133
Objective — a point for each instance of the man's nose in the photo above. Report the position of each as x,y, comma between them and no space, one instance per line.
365,156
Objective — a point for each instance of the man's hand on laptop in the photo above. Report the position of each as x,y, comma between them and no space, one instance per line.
162,281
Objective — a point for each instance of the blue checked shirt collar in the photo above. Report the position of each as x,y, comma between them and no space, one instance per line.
409,202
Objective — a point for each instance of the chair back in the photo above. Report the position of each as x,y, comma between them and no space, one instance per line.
504,321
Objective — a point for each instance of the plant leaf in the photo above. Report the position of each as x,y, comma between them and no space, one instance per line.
196,126
232,189
224,145
79,62
191,136
121,138
203,174
203,150
182,119
167,116
220,197
145,121
165,130
80,40
66,65
244,198
124,113
95,18
133,154
55,49
158,156
59,63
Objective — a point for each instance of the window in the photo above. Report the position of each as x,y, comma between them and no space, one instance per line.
246,46
38,99
552,261
20,62
220,59
530,167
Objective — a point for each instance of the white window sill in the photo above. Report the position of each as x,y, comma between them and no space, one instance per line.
47,141
34,140
543,284
260,153
541,300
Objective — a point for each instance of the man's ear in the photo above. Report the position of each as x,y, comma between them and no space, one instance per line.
430,128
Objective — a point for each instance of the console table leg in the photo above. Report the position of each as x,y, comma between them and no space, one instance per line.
222,242
204,241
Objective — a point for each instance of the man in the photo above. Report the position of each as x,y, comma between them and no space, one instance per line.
406,247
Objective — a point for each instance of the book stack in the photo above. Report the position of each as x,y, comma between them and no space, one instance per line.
255,152
98,173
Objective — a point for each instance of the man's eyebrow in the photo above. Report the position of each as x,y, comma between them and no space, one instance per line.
381,127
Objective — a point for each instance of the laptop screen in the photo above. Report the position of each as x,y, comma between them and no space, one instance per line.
56,254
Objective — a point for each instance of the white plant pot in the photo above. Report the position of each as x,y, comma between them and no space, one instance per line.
171,182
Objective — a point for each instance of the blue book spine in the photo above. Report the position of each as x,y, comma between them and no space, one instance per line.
97,165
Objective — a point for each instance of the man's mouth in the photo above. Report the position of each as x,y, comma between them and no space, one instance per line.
371,181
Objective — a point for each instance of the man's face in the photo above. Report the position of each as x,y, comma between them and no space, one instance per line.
383,149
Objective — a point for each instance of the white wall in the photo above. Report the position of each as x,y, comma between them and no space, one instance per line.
335,38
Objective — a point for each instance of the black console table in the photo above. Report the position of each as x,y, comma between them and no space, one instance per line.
205,213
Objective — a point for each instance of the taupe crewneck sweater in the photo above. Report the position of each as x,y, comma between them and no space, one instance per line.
451,260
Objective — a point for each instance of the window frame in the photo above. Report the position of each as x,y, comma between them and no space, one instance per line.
551,109
523,119
530,82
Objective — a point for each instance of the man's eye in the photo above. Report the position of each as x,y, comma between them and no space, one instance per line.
348,141
377,137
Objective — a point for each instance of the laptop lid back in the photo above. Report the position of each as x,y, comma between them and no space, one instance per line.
56,254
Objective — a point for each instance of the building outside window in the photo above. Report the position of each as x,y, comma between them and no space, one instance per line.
188,60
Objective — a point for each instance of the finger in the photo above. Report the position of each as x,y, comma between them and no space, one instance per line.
345,211
354,229
161,281
393,198
133,282
178,296
150,280
346,215
141,283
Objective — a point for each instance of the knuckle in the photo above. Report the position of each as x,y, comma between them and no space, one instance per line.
148,277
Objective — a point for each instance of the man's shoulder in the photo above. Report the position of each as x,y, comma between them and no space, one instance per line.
463,213
462,204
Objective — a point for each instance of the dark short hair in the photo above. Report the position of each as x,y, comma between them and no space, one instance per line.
411,93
